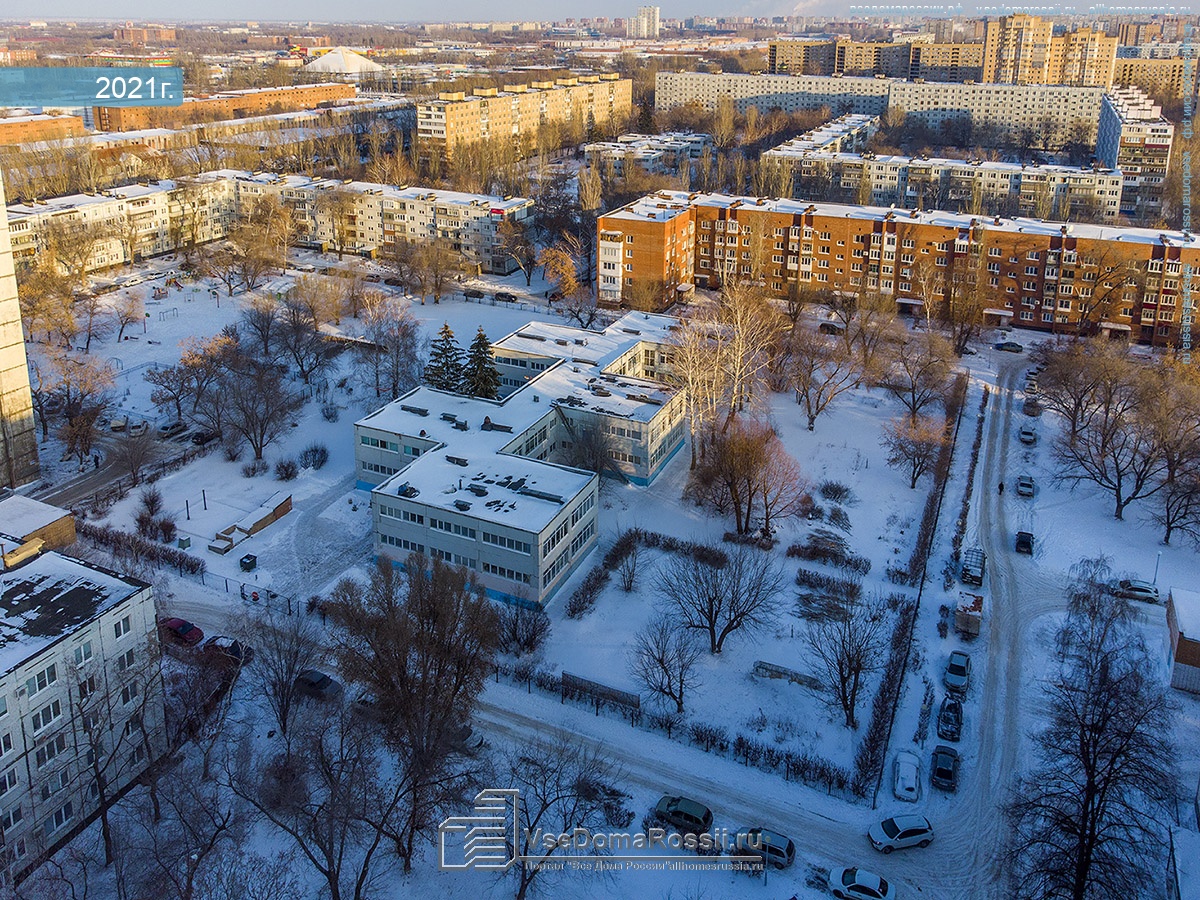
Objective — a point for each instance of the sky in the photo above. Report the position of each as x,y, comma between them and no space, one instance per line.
390,11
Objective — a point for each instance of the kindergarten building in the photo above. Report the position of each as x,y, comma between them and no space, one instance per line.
478,483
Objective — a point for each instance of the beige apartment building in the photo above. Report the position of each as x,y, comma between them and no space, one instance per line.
515,114
907,59
1165,78
18,435
1022,49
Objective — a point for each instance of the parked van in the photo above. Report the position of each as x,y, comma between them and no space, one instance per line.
773,847
974,564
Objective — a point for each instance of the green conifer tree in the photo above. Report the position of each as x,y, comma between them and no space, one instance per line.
445,361
479,377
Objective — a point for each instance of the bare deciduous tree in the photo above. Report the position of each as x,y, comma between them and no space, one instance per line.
664,659
515,241
822,370
920,372
845,648
285,646
1089,819
564,785
259,406
913,445
741,596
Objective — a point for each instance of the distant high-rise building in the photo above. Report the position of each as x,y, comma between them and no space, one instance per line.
18,439
1022,49
645,24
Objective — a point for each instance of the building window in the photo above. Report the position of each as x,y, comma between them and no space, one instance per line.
41,680
46,715
129,693
50,750
121,628
60,818
8,781
11,817
83,653
125,661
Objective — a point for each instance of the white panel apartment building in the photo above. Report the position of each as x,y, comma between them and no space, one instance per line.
655,153
1135,137
149,220
475,481
78,656
1007,106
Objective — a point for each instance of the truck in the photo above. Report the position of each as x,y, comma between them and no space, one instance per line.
974,564
968,614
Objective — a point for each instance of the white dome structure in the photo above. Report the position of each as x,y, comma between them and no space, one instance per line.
342,61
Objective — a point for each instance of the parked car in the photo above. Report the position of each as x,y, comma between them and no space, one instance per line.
1027,435
473,294
318,686
554,296
1031,387
118,423
180,631
858,884
1025,542
906,776
1136,589
900,833
1010,347
687,815
393,282
949,723
944,770
171,429
505,296
1025,486
773,847
366,707
226,650
1032,407
137,429
200,438
957,677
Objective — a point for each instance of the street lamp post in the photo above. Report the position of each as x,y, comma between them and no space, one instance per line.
1157,560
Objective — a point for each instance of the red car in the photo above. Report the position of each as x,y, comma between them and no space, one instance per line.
179,631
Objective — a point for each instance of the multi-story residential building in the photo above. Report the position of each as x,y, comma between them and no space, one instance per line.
1002,106
1017,49
646,24
456,120
18,435
901,59
225,105
845,134
959,185
1039,274
10,56
1022,49
1134,136
150,34
80,699
475,482
659,154
1165,78
20,129
355,217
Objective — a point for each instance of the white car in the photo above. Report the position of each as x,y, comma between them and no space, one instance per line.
900,832
1025,486
854,883
1027,434
1136,589
906,776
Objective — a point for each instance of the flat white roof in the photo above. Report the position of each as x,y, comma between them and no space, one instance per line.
1187,611
20,515
50,596
521,492
680,201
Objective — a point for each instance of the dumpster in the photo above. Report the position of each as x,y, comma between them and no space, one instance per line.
249,562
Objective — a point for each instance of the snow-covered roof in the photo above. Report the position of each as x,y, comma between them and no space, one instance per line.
1187,611
1186,844
432,414
793,149
50,596
21,516
521,492
664,205
343,61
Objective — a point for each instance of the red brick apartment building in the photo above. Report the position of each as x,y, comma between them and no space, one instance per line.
226,105
1044,275
24,129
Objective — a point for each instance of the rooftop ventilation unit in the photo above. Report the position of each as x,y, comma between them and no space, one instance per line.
543,495
517,485
477,489
462,426
462,505
449,417
408,491
457,460
415,410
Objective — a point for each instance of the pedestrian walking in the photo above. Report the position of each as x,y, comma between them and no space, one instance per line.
96,459
1002,487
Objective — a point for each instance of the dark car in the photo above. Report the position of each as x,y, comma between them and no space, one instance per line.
1010,347
1025,542
171,429
944,771
393,282
687,815
180,631
473,294
224,650
554,296
317,685
949,723
200,438
505,296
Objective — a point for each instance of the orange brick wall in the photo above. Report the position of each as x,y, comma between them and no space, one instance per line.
20,131
218,106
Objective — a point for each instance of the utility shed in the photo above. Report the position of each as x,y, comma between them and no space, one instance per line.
24,522
1183,622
